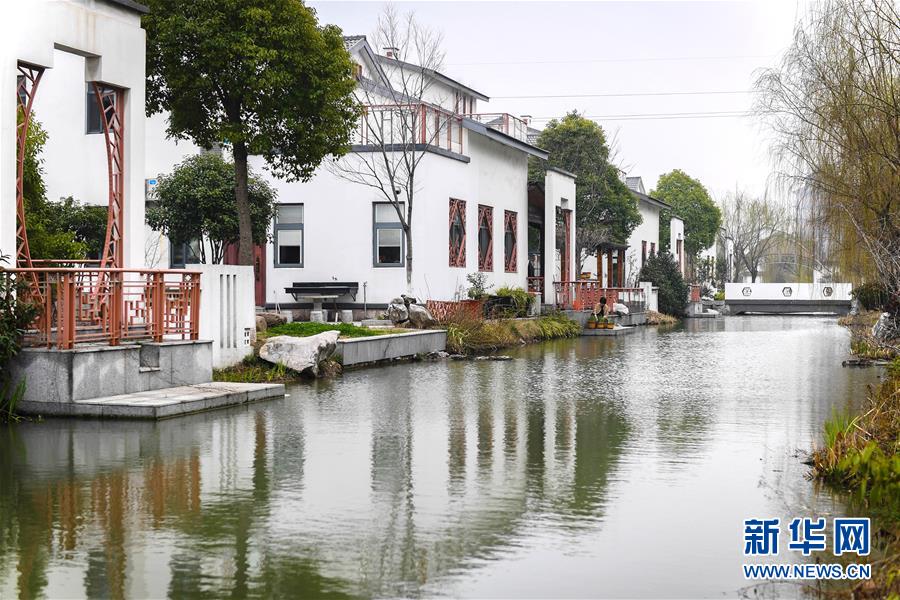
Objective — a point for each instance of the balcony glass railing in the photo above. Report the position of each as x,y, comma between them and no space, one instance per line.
417,123
503,122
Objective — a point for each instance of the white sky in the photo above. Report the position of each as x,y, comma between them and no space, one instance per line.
570,48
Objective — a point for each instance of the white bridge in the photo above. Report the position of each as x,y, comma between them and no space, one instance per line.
788,298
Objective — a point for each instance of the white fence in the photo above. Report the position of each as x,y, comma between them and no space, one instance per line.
788,291
227,311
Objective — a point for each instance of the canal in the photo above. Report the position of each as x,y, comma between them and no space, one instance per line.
580,468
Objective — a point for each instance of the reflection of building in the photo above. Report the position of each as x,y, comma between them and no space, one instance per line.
379,490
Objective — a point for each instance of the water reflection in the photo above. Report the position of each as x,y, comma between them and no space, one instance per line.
541,476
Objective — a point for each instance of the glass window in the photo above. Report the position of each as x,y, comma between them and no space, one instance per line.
93,119
485,238
457,233
510,241
289,235
387,235
181,255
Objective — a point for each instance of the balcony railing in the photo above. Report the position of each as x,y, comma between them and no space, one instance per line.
503,122
109,306
417,123
586,293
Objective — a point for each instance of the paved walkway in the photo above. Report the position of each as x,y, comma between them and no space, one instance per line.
160,404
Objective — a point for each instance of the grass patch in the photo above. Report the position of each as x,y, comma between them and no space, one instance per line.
861,456
347,330
658,318
253,369
467,335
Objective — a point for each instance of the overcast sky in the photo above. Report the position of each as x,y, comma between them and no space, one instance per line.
574,48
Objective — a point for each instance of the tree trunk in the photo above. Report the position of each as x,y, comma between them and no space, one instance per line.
242,202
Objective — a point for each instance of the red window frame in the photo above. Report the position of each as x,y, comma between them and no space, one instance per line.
486,217
510,225
457,254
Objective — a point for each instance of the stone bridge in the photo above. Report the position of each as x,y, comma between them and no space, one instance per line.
788,298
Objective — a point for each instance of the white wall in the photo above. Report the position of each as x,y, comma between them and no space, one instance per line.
559,192
338,226
799,291
114,42
647,231
676,232
227,311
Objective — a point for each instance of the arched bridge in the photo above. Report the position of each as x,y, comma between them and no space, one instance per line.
788,298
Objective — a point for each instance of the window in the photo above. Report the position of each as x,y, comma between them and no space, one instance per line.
93,119
643,252
510,241
652,248
387,235
485,238
289,235
181,255
457,233
678,251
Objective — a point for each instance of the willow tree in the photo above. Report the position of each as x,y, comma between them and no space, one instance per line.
834,107
260,75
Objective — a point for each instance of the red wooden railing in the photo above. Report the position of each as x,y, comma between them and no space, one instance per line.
92,305
584,294
536,285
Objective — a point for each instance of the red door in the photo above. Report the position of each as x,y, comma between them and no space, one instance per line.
259,268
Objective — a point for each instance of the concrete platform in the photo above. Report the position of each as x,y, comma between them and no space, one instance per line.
617,331
376,348
159,404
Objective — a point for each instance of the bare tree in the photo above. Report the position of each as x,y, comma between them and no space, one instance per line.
755,227
403,117
834,106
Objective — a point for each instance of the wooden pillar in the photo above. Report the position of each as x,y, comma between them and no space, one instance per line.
621,267
609,264
599,265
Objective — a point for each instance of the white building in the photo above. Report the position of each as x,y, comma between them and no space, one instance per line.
71,45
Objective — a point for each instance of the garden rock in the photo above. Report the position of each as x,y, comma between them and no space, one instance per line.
301,354
397,312
885,328
408,300
272,319
261,323
620,308
420,317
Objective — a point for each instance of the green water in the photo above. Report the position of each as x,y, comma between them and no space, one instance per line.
582,468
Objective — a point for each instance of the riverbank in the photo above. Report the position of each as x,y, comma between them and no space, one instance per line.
862,343
861,457
465,335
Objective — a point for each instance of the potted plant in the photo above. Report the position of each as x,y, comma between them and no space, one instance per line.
592,321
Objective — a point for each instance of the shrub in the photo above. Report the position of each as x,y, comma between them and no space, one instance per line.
16,314
662,270
720,295
478,285
871,296
521,298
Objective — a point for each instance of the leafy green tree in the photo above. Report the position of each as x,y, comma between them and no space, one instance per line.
197,202
261,75
690,201
51,225
662,270
605,210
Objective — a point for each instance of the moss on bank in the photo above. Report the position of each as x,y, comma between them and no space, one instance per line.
861,457
471,336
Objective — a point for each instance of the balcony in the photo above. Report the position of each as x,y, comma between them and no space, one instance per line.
398,125
504,123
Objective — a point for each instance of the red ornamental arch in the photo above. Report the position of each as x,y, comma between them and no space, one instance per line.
111,101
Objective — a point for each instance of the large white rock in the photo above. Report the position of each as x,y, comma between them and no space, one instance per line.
397,313
620,308
885,329
301,354
420,317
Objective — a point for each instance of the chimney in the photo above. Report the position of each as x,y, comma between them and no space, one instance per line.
391,51
526,119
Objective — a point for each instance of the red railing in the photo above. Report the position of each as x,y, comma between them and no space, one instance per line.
444,311
503,122
586,293
110,306
414,123
536,285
